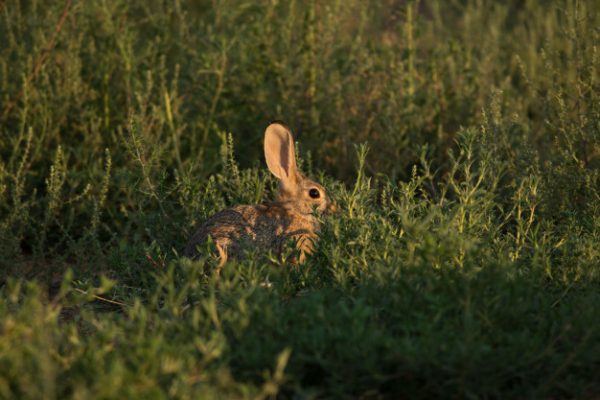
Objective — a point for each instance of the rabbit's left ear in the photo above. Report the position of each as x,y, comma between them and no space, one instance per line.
280,153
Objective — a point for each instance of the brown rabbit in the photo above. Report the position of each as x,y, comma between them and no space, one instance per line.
267,226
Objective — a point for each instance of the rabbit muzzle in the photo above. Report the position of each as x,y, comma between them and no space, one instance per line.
331,207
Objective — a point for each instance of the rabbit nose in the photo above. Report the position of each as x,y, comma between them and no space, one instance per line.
332,206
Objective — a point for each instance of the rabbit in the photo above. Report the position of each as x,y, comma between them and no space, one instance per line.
267,226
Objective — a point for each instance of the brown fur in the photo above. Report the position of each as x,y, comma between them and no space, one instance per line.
267,226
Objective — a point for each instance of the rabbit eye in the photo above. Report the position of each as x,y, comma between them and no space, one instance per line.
314,193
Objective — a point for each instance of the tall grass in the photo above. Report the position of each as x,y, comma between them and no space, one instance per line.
461,140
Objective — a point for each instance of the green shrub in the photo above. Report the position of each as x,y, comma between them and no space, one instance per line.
460,139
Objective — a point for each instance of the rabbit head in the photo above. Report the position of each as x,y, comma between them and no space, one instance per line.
296,191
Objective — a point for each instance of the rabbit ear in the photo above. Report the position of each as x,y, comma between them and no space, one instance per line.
280,153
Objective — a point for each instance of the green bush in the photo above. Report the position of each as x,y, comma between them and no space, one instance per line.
460,139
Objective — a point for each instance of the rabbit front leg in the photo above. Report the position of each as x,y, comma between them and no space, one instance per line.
305,243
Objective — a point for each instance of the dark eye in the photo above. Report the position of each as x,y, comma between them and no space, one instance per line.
314,193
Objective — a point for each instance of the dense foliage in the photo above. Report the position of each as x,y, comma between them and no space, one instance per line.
461,140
